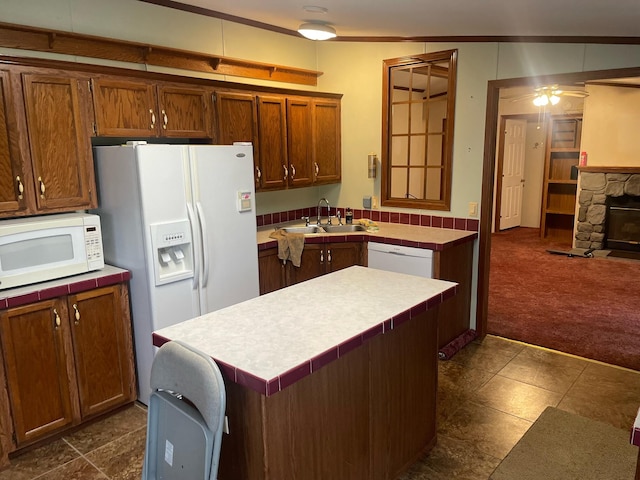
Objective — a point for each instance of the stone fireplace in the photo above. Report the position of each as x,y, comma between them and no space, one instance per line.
603,189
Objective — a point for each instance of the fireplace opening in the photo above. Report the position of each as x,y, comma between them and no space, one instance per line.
622,227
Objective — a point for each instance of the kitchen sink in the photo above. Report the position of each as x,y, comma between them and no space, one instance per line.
343,228
303,229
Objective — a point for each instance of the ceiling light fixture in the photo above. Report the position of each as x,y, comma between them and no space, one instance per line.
316,31
543,99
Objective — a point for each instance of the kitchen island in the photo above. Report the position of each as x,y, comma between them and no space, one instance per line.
335,377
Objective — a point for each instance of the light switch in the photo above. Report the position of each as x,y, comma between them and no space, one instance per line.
473,209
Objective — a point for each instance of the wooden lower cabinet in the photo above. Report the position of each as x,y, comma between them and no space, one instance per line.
102,349
65,360
317,259
39,368
455,265
271,271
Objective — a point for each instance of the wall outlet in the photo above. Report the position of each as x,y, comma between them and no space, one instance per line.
374,202
473,209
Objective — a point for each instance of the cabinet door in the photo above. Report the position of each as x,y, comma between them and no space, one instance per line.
185,112
39,368
312,264
102,346
14,185
237,121
299,142
124,108
271,271
272,142
326,140
343,255
59,132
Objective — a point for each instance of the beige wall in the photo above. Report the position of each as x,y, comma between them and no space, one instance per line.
611,126
353,69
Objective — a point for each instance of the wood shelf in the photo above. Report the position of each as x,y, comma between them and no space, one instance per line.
562,182
559,189
57,41
560,212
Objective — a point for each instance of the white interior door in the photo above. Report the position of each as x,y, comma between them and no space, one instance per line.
513,173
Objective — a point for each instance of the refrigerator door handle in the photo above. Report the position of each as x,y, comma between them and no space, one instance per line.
205,253
196,267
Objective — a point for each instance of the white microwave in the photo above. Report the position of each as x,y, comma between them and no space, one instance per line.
44,248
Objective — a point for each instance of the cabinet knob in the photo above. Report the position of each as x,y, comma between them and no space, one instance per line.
317,168
286,172
165,121
42,187
20,187
56,318
76,314
153,119
293,172
258,174
321,257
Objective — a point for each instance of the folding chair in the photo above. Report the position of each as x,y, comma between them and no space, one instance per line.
185,415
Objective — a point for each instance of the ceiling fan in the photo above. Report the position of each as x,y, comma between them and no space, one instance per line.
547,94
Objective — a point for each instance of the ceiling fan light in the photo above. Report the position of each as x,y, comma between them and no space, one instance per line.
554,99
541,100
316,31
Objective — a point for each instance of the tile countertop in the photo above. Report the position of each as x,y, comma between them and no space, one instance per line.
271,341
109,275
431,238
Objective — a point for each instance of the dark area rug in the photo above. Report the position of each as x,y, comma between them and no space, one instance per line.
565,446
588,307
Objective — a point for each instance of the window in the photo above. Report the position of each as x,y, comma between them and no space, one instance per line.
417,134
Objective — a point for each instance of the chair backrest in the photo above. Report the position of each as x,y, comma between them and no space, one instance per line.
180,372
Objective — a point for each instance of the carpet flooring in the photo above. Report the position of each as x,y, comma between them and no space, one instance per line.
565,446
583,306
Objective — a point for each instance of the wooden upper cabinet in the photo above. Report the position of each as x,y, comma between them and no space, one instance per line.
326,140
38,362
59,133
101,349
237,121
15,179
237,118
273,165
127,108
185,112
124,108
299,139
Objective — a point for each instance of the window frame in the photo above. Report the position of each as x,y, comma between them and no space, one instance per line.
444,202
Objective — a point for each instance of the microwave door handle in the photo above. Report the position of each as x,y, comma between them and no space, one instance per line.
196,266
205,253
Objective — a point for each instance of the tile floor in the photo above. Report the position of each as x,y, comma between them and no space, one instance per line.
490,393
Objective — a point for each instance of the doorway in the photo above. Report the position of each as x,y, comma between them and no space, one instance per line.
519,171
489,166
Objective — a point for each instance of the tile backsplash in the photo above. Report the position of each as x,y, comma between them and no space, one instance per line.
469,224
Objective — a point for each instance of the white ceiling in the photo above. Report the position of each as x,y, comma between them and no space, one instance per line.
429,18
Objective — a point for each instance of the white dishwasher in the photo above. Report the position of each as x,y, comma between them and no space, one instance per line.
401,259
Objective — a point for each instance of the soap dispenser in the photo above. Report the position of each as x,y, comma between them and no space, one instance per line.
349,216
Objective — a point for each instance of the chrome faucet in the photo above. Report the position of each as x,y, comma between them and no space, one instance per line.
328,211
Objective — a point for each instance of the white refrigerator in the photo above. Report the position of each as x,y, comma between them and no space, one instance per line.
182,220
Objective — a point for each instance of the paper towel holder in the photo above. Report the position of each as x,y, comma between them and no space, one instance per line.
372,165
